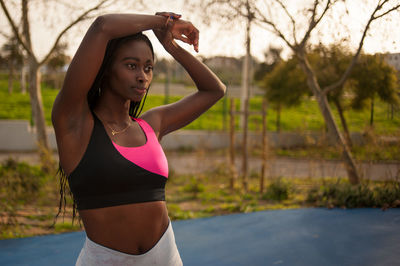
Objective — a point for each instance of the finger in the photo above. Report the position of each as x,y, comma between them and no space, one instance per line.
169,14
183,39
162,14
196,41
196,36
196,47
174,15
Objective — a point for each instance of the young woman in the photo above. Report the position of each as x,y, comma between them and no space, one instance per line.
112,159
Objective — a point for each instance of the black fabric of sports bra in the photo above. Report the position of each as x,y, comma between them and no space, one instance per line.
104,178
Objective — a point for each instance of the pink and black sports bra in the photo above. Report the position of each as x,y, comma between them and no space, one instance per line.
111,175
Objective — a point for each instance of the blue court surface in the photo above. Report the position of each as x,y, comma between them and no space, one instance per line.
283,237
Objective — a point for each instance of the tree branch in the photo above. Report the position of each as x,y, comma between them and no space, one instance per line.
15,30
83,16
262,19
291,19
2,33
355,58
237,9
313,22
388,11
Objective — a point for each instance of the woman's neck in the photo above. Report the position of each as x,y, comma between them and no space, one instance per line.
113,109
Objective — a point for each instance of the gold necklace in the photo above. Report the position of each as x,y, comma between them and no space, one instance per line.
114,132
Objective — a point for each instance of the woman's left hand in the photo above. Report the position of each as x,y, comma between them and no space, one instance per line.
177,29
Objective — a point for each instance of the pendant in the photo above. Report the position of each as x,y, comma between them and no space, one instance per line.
113,132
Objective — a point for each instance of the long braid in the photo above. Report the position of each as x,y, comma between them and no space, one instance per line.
136,108
64,189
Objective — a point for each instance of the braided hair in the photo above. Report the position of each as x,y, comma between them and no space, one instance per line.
93,95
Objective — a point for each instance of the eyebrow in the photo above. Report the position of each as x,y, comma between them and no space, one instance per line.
135,58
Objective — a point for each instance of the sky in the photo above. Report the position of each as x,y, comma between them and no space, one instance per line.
218,38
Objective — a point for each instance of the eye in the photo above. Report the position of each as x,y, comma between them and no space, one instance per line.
131,66
148,68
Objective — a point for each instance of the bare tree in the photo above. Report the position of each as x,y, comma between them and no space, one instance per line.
243,10
24,39
298,40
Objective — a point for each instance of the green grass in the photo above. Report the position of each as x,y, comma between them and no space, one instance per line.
305,117
370,152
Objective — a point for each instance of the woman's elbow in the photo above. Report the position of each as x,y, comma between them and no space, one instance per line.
221,90
99,24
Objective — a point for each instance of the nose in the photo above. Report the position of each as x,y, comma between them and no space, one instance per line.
141,77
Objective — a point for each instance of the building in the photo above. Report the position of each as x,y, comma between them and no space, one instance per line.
393,60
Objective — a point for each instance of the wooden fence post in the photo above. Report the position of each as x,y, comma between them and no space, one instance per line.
232,166
264,145
244,143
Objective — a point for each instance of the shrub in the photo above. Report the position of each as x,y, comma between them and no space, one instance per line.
194,187
278,190
19,183
388,194
176,213
343,194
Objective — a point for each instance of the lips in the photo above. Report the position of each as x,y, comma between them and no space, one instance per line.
140,89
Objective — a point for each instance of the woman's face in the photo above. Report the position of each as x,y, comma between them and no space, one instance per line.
131,71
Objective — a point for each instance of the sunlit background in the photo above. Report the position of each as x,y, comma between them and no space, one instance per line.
290,160
219,36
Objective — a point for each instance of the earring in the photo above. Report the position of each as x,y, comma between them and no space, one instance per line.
99,91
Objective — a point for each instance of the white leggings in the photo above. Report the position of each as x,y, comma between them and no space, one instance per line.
163,253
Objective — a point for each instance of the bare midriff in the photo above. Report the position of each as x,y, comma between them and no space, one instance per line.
131,228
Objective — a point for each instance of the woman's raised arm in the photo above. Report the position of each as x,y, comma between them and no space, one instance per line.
173,116
71,101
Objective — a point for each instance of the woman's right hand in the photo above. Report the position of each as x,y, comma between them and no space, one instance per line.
177,29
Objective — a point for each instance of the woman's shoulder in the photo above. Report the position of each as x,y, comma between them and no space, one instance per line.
153,118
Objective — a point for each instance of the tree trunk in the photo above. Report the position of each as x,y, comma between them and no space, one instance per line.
232,166
245,100
245,150
333,129
264,145
10,75
344,123
391,111
37,104
278,118
23,77
371,120
167,82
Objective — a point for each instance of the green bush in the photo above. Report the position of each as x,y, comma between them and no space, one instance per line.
345,195
176,213
388,194
278,190
193,187
19,183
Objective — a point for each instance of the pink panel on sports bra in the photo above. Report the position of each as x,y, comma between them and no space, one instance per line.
150,156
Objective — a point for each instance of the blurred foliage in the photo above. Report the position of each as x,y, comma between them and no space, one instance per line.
194,186
19,184
33,196
344,195
278,189
374,77
285,83
301,118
